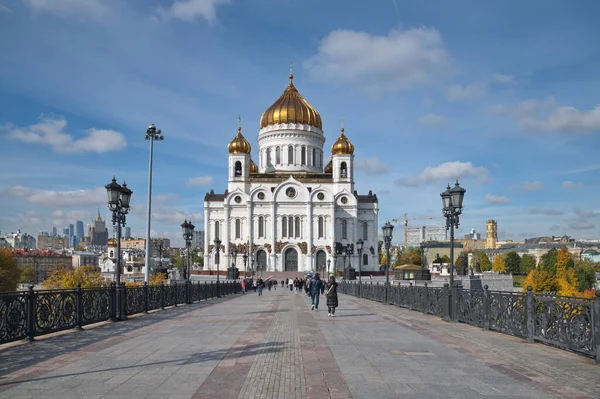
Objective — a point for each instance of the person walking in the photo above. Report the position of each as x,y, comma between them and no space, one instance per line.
260,284
332,297
316,287
291,284
243,286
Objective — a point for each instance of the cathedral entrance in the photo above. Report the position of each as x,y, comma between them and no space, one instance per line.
321,260
261,260
291,260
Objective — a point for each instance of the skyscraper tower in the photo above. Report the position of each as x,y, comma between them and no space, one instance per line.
491,229
79,229
54,231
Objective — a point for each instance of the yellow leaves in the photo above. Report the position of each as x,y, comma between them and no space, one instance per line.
9,272
564,261
498,266
540,281
87,276
157,278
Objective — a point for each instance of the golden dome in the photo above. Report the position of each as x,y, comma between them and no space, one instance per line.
291,107
112,242
329,167
239,144
253,167
342,145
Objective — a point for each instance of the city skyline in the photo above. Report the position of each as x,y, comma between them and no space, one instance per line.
497,95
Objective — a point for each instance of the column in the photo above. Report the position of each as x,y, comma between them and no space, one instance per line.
309,235
207,235
250,235
224,256
273,265
330,231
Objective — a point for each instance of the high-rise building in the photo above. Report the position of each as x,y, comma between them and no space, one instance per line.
198,240
71,230
98,232
54,231
65,231
79,229
127,232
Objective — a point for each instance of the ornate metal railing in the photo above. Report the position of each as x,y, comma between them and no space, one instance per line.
27,314
571,323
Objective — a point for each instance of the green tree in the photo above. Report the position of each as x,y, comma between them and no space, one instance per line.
27,275
586,276
462,262
512,262
481,262
498,266
177,261
445,258
528,263
548,261
9,271
410,256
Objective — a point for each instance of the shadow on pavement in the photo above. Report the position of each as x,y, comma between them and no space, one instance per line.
30,353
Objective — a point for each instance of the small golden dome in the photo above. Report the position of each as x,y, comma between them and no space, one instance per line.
112,242
239,144
291,107
253,167
342,145
329,168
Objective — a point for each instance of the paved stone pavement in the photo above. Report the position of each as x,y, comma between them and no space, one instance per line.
274,347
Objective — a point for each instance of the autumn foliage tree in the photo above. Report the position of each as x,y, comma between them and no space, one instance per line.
9,271
66,277
498,266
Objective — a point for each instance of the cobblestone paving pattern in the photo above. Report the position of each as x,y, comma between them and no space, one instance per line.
274,346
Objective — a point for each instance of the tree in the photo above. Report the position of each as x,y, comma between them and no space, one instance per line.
586,276
564,261
411,256
512,262
462,263
498,266
80,248
197,257
565,273
548,261
27,275
157,278
9,271
540,281
381,252
445,258
177,260
67,277
481,262
528,263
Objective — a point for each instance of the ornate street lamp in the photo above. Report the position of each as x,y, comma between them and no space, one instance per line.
328,266
119,197
233,253
424,273
217,260
359,249
245,257
452,203
152,134
188,234
387,229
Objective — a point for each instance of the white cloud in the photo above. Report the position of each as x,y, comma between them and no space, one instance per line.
547,116
189,10
397,61
502,78
458,92
53,198
199,181
545,211
95,9
51,132
531,186
446,171
371,165
432,120
572,185
496,199
176,217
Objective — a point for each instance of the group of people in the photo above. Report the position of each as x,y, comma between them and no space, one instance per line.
314,287
258,285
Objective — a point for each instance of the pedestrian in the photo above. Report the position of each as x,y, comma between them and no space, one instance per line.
260,283
282,283
243,286
316,287
291,284
254,286
269,284
332,297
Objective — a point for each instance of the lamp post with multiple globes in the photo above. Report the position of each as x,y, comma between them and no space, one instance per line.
388,229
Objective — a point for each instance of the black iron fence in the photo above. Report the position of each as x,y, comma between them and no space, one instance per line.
571,323
27,314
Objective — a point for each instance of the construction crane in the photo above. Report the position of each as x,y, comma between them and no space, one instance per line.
406,219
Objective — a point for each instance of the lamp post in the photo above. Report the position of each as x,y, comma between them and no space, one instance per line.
328,265
233,252
151,134
188,234
359,249
245,257
388,229
217,260
252,265
424,273
452,202
119,197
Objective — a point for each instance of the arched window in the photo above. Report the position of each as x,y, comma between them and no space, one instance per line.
321,227
278,155
291,226
284,226
303,156
238,228
216,230
344,229
314,157
290,155
343,170
261,227
365,260
297,235
238,169
365,232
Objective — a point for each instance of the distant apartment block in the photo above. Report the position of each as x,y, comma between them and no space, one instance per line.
417,235
20,240
52,243
198,240
85,259
41,261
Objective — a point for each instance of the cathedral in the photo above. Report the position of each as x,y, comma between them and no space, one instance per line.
291,211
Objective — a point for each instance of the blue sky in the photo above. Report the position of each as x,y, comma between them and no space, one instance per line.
503,95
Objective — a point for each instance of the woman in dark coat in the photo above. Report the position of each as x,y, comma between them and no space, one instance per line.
332,297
